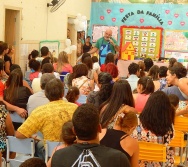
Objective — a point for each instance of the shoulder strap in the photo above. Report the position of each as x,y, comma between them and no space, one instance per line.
82,84
124,137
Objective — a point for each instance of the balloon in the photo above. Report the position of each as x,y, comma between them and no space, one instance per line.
76,21
84,18
73,47
71,21
76,27
68,42
68,50
79,16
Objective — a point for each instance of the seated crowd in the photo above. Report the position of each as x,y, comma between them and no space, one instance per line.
119,111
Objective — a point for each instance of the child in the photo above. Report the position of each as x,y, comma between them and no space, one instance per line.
73,95
174,100
67,137
96,65
34,65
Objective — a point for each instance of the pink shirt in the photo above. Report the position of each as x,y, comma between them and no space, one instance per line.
140,101
65,68
33,75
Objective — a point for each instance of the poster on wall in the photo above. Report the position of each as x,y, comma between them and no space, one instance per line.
52,45
98,32
137,42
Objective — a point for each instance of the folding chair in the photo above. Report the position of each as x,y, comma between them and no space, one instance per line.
82,99
178,141
152,152
50,146
3,162
16,118
26,147
181,124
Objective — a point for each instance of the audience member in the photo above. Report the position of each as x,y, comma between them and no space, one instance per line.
160,131
33,162
73,95
86,126
110,58
162,77
33,55
105,85
154,75
112,69
148,64
34,65
67,138
3,78
39,98
145,88
87,46
44,53
48,119
142,68
134,73
119,137
96,65
80,80
121,95
8,59
171,62
17,94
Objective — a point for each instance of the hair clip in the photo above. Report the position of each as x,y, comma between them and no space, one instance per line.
111,81
121,115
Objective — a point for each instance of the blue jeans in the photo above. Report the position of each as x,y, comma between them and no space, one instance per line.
40,150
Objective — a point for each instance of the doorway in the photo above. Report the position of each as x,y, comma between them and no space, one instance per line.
12,31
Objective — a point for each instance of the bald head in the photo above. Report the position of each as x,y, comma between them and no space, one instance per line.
108,34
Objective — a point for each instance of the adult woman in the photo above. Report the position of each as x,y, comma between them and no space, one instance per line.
87,45
15,93
154,74
62,64
8,59
144,88
121,95
109,59
156,124
175,76
80,80
112,69
119,137
6,128
105,85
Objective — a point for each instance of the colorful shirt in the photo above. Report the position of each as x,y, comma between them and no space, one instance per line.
48,119
140,101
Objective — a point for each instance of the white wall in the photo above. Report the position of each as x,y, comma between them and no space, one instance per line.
38,23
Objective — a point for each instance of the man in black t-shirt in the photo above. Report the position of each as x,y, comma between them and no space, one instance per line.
88,152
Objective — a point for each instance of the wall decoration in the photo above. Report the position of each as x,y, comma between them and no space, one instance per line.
98,32
52,45
145,40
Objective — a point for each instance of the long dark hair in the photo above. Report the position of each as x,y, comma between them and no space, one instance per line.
158,114
121,95
14,81
105,79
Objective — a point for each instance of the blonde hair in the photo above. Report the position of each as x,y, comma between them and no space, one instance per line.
61,61
127,120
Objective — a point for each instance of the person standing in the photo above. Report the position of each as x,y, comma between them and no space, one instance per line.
105,45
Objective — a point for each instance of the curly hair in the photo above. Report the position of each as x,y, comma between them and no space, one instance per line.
153,72
179,70
158,114
112,69
163,71
34,64
72,94
33,162
86,122
105,79
121,95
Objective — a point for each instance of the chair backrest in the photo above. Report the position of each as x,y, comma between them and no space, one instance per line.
181,124
50,146
82,99
152,152
62,75
16,118
22,146
178,140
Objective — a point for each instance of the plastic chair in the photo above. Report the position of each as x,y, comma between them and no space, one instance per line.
181,124
82,99
50,146
3,162
178,141
152,152
16,118
62,76
21,146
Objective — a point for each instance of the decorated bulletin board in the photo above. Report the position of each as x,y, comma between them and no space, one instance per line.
52,45
145,40
176,44
98,32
